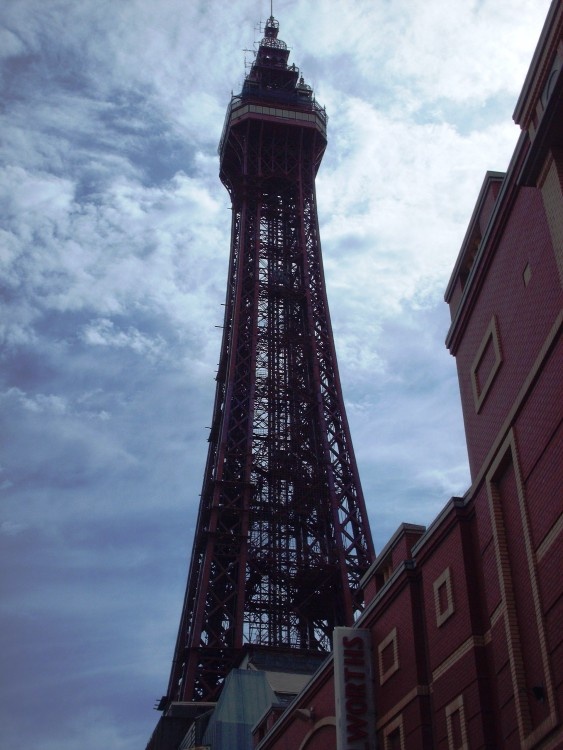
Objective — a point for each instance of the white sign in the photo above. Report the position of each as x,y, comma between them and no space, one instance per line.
353,690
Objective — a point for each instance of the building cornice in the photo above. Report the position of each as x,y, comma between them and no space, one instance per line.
540,68
487,247
462,258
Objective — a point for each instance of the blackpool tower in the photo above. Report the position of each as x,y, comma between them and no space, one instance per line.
282,537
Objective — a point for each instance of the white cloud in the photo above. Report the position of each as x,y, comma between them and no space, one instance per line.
394,204
10,44
150,247
42,403
114,244
103,332
465,50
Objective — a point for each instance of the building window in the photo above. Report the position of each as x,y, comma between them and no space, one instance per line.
486,364
455,724
443,597
393,738
388,656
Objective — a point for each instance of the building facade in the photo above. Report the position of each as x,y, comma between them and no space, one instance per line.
464,620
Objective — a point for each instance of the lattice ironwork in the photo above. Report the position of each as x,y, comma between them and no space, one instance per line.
282,536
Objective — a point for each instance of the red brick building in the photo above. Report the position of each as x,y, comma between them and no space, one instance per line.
465,618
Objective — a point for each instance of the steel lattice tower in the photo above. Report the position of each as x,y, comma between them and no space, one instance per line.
282,536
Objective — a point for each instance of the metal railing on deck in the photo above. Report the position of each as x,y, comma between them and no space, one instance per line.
304,110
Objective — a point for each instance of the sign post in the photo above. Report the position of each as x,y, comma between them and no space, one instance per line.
353,690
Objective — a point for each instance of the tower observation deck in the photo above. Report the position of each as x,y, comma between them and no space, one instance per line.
282,537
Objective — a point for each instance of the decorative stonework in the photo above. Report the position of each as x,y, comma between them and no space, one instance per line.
486,364
551,183
507,461
388,653
393,736
456,726
443,597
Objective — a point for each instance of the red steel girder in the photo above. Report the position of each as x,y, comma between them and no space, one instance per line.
282,537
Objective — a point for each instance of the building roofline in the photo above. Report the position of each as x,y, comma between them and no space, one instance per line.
538,71
323,672
452,504
493,230
403,529
490,177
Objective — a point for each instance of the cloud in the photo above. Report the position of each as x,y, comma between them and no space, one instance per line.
103,332
104,257
114,244
438,56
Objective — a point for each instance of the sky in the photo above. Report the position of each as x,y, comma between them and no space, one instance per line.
114,248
